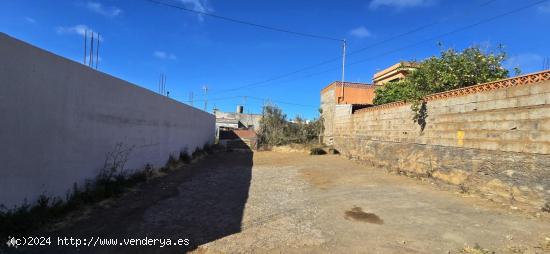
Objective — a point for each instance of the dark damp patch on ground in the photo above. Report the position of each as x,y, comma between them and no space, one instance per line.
356,213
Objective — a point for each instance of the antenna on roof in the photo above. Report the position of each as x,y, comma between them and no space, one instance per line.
97,53
205,88
85,46
162,84
91,60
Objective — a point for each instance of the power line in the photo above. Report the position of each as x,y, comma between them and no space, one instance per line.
412,31
260,99
460,29
262,83
322,37
278,77
282,102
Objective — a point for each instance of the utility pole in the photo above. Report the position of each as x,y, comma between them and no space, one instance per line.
191,98
85,45
244,102
97,52
205,88
162,84
343,66
91,62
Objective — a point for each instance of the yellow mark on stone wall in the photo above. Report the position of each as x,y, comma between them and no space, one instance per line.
460,138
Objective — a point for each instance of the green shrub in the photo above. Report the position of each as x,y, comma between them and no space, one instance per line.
276,130
24,219
184,157
172,162
207,149
197,153
451,70
110,182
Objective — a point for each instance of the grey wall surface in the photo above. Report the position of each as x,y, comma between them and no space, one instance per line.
59,120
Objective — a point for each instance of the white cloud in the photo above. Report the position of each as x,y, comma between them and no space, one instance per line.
197,5
30,20
544,8
164,55
361,32
78,30
105,11
400,4
527,62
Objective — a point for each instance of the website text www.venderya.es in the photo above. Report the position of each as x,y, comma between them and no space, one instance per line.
94,241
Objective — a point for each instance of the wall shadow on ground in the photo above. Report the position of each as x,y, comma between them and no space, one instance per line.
202,202
215,199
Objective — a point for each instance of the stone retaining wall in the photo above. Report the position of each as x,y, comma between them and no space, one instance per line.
492,139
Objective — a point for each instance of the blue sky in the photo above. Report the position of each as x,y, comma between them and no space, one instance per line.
141,39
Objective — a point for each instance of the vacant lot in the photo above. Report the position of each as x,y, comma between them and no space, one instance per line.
270,202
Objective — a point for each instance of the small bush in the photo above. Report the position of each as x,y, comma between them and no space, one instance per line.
184,157
172,162
317,151
197,153
546,207
112,181
24,219
143,175
207,149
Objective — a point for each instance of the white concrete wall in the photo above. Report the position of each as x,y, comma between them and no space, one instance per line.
60,118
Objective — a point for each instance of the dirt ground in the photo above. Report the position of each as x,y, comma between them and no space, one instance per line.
276,202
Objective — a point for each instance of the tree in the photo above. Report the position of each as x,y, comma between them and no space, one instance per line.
451,70
276,130
272,126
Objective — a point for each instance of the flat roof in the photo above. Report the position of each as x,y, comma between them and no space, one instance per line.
394,67
349,84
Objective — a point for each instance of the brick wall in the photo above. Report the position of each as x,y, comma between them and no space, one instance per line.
492,139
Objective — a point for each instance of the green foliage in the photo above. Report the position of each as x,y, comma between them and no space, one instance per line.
111,181
276,130
184,156
451,70
172,162
272,126
207,148
24,219
197,153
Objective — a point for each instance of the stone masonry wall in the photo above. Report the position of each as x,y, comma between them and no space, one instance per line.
492,139
328,103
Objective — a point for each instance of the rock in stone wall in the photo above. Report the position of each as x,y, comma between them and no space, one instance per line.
493,140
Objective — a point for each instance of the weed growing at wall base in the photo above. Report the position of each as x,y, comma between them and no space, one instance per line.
111,182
